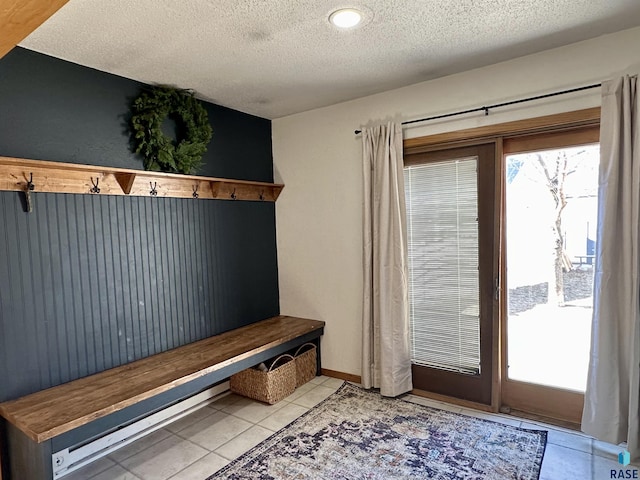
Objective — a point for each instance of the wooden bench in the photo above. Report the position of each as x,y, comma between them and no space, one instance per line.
50,420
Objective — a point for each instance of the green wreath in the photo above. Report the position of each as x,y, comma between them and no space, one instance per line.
161,153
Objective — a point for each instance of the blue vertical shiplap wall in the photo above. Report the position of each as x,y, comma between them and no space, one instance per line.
89,282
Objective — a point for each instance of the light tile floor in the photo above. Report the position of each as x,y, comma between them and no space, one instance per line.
198,445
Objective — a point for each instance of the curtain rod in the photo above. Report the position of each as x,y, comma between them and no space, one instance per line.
496,105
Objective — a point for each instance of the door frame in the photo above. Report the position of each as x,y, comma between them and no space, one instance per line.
496,133
551,402
474,388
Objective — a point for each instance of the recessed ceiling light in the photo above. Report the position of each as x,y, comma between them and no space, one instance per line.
345,18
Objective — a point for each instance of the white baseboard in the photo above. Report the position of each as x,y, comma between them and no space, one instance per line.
69,460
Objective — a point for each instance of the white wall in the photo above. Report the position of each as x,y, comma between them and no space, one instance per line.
318,158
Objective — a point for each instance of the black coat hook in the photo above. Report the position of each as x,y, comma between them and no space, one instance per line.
233,195
262,195
30,185
95,188
195,191
27,193
154,190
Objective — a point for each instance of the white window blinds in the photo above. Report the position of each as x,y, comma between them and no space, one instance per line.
442,224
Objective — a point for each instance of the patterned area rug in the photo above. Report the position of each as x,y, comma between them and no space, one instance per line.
358,434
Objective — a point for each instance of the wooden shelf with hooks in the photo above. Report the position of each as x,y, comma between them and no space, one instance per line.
56,177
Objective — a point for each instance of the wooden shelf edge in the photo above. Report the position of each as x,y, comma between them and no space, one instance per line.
243,190
277,190
58,177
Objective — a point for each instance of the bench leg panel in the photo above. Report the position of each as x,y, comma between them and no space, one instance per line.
28,460
318,357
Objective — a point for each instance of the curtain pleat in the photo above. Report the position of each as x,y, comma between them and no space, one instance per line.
611,409
386,362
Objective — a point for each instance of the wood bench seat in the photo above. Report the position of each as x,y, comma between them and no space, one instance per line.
49,413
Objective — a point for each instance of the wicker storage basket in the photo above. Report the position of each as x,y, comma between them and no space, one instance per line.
306,366
270,386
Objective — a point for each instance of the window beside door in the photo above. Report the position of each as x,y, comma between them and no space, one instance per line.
551,217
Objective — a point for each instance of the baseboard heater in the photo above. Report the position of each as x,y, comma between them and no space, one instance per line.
70,459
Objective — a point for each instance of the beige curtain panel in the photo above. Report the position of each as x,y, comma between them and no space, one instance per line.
611,400
386,362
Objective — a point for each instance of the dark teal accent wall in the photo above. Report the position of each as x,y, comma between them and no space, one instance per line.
89,282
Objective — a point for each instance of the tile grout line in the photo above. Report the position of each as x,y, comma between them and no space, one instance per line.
253,424
143,450
155,443
232,439
119,465
115,464
258,423
192,463
261,426
590,452
208,406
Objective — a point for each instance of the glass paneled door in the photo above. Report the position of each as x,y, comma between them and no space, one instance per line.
450,213
551,215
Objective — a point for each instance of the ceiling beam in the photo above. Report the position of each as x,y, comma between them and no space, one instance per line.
18,18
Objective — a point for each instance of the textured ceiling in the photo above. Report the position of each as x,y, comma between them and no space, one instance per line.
276,57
